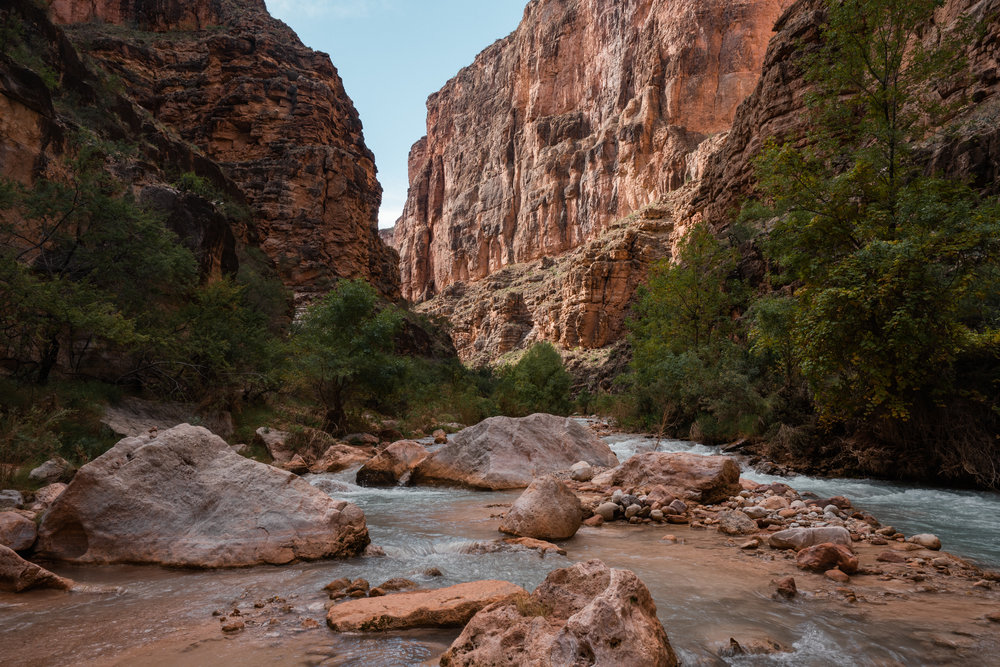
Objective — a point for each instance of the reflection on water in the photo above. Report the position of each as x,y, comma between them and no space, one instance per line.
155,616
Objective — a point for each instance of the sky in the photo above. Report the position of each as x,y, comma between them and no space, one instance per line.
392,54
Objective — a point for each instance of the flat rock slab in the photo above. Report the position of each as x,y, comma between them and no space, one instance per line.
183,498
18,575
705,479
507,453
438,608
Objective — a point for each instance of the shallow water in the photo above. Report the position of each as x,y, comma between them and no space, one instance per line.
704,594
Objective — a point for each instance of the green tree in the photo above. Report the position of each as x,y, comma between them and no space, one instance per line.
538,382
885,263
344,349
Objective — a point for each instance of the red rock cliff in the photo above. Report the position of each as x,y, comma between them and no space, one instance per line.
587,112
239,85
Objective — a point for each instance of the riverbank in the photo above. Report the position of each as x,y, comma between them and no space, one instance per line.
706,588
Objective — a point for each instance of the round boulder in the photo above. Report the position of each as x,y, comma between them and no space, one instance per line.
732,522
17,532
547,510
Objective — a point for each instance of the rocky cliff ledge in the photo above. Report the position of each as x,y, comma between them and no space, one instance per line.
239,85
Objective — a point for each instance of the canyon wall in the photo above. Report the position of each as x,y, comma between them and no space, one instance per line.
586,113
238,84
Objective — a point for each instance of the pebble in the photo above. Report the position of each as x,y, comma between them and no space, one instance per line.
631,510
234,626
669,538
837,575
656,515
982,583
755,512
786,587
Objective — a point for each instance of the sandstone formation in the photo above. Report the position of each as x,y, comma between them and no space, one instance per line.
17,532
438,608
508,453
547,510
587,614
18,575
704,479
239,85
587,113
183,498
393,465
801,538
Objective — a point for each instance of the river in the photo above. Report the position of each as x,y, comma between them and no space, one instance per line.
705,594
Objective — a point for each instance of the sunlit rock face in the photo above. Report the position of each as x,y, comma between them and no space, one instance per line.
587,112
239,85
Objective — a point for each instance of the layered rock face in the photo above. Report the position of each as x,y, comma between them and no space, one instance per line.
239,85
588,112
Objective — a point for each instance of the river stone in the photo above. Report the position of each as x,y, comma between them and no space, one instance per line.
17,532
585,614
547,510
927,541
581,471
45,496
183,498
607,511
507,453
51,471
10,498
704,479
437,608
733,522
18,575
393,465
800,538
755,512
340,456
828,556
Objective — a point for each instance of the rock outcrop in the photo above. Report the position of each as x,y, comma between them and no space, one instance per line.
508,453
239,85
393,465
183,498
704,479
438,608
547,510
587,614
18,575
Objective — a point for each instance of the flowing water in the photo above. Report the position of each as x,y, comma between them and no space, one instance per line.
704,594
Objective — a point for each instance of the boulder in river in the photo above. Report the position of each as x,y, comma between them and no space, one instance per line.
184,498
704,479
927,541
587,614
827,556
800,538
507,452
547,510
436,608
393,465
17,532
18,575
340,456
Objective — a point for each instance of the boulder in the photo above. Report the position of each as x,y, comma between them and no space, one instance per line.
10,498
801,538
607,511
135,416
927,541
51,471
507,453
828,556
297,465
587,614
437,608
704,479
47,495
581,471
540,546
17,532
393,466
340,456
547,510
440,437
18,575
732,522
275,442
183,498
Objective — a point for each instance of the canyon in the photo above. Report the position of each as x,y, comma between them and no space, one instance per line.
224,91
573,154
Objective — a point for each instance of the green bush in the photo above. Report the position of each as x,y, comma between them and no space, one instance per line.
538,382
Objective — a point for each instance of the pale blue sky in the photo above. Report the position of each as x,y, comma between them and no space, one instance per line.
391,55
